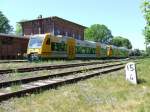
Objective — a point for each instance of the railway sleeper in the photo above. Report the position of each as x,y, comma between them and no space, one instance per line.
39,86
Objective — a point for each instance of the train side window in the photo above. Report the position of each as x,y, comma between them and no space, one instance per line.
94,50
77,49
53,46
63,47
83,50
48,41
60,47
91,50
88,50
0,42
56,46
80,49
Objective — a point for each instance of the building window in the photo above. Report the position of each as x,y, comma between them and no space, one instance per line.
58,32
73,35
66,34
76,36
79,37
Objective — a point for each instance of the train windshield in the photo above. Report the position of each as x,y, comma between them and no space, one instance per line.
35,42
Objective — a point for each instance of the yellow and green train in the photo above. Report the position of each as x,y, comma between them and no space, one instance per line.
49,46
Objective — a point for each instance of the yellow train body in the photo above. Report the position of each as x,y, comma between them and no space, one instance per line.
49,46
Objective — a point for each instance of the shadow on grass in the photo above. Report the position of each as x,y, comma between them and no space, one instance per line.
141,81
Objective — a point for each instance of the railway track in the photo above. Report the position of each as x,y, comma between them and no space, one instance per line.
50,67
12,61
37,84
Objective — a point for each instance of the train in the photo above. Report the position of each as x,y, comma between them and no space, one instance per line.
47,46
12,46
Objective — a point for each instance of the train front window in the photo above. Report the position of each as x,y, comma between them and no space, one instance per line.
35,42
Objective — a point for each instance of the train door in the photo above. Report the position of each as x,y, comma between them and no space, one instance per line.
97,50
109,51
71,48
46,47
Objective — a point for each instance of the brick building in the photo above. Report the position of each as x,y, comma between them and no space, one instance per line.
53,25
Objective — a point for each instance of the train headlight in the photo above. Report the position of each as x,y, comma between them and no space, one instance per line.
18,54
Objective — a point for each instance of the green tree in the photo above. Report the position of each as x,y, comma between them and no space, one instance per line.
18,29
4,24
146,12
135,52
117,41
121,42
127,43
148,50
98,33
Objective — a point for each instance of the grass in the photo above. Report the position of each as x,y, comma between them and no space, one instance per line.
110,93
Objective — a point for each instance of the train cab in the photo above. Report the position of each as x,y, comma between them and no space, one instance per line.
38,45
49,46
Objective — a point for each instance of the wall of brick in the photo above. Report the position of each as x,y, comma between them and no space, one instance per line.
55,26
67,29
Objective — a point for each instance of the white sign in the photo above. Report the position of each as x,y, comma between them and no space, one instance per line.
131,74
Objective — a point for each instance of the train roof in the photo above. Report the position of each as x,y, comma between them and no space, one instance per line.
86,43
12,36
113,46
39,35
123,48
103,45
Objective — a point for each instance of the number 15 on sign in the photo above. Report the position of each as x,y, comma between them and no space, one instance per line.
131,74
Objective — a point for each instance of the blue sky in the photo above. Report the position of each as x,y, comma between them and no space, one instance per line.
122,17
